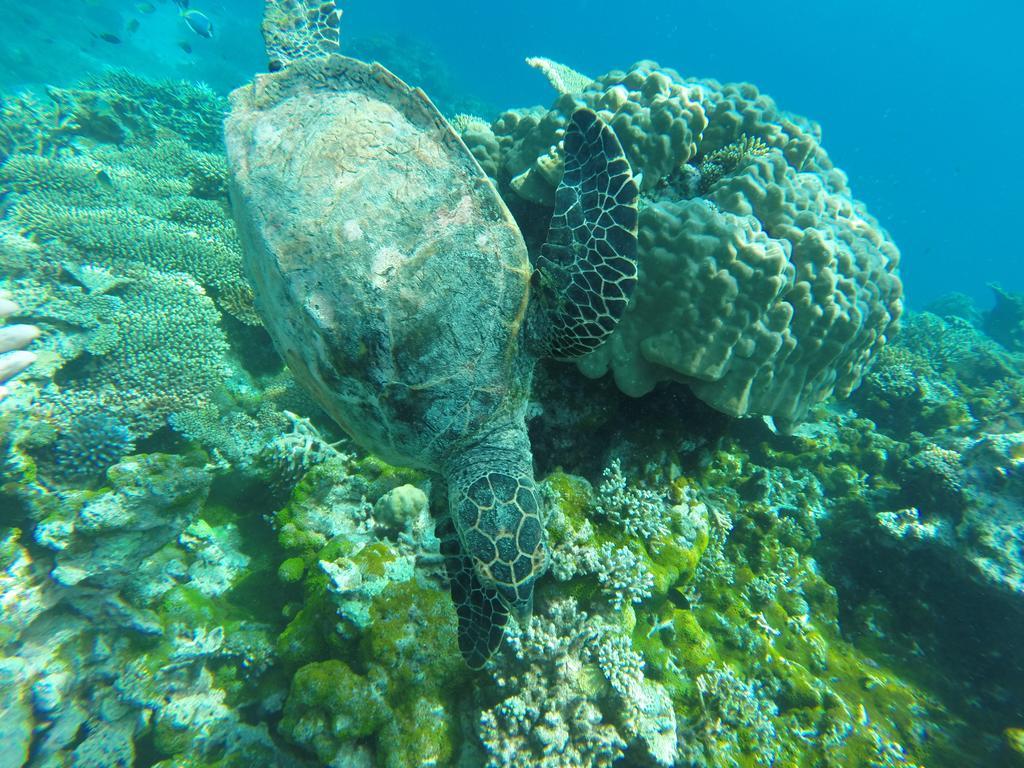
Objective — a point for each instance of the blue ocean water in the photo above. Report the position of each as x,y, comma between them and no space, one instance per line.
759,527
919,101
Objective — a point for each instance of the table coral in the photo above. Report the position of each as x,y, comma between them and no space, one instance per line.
161,205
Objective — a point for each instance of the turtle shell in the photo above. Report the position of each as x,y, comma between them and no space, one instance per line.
389,273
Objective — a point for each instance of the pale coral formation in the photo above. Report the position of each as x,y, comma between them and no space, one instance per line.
656,118
564,79
556,715
764,285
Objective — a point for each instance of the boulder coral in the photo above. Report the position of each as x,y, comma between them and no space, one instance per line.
764,285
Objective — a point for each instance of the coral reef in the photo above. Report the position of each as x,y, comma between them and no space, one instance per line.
93,443
107,229
559,713
196,569
764,285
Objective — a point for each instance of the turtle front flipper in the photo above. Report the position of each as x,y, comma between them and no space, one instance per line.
587,269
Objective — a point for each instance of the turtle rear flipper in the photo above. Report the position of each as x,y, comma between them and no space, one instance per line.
482,614
587,269
299,29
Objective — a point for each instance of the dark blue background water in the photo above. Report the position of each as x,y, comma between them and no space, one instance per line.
921,102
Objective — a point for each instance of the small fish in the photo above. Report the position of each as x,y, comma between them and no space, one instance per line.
145,7
132,26
109,38
185,46
198,23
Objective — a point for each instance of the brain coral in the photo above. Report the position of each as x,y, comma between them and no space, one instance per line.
764,285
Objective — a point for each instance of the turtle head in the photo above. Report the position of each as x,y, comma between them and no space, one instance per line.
498,520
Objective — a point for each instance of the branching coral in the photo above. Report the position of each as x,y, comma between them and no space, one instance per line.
27,126
556,715
163,206
737,715
623,576
729,159
160,350
92,443
190,109
639,511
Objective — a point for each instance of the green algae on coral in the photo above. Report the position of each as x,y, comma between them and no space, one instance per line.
243,605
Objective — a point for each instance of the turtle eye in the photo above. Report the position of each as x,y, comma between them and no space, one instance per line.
275,65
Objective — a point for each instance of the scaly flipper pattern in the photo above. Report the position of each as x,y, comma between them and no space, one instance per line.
299,29
481,613
587,269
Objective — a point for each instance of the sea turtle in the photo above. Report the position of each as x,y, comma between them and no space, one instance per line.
395,283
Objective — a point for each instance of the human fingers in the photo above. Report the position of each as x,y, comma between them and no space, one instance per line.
17,336
15,362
